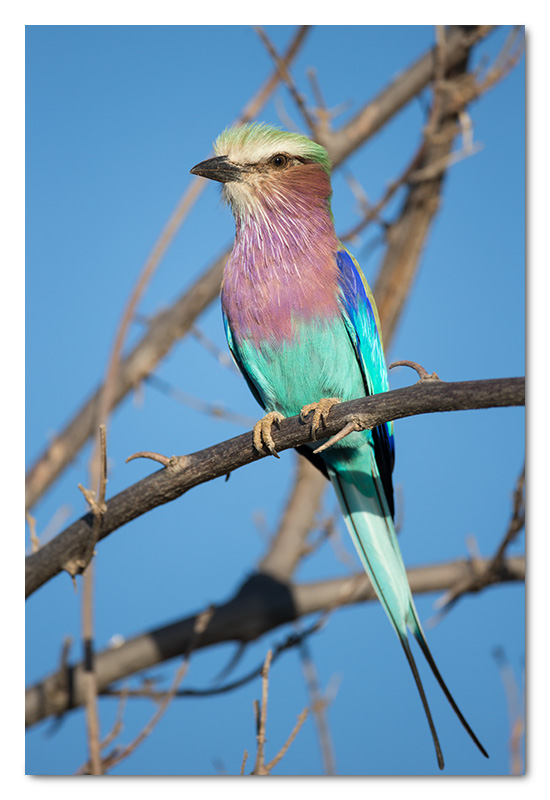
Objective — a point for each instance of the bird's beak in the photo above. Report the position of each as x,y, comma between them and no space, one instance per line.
218,169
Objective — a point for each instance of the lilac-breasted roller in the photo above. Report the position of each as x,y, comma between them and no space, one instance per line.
302,325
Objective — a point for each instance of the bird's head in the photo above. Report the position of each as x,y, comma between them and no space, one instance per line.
264,168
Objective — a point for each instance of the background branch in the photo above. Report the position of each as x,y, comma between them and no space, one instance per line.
260,605
124,374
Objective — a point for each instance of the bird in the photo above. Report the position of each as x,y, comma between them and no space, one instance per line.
302,326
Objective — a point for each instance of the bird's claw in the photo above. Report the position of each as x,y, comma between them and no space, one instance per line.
262,432
321,411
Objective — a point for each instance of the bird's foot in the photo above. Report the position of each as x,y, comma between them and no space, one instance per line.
321,411
262,432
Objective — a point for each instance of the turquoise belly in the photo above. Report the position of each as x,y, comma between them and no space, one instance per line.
318,362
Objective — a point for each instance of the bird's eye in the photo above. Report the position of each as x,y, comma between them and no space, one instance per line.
279,161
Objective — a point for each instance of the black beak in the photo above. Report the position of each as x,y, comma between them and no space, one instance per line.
218,169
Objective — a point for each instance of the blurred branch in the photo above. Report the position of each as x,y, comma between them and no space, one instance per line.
473,88
213,410
454,89
484,573
98,470
35,543
175,322
261,719
67,550
289,543
260,605
222,356
148,690
318,705
374,115
407,235
126,373
286,78
516,710
201,623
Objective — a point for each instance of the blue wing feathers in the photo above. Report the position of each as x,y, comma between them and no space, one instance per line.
361,321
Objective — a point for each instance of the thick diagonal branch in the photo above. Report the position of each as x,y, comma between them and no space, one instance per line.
407,235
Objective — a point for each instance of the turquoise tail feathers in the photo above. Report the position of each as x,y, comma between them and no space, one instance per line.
371,527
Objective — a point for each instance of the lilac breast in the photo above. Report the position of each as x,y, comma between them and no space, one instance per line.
282,270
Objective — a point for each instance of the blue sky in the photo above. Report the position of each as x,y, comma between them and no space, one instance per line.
116,117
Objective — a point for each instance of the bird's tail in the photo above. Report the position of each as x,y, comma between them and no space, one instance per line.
369,522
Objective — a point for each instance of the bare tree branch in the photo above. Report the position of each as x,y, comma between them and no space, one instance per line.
67,550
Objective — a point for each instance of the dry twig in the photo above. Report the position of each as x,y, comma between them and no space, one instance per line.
201,623
260,710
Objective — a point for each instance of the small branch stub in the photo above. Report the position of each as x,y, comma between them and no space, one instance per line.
173,463
422,373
